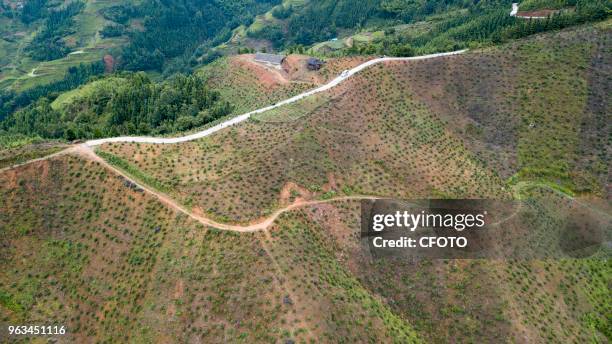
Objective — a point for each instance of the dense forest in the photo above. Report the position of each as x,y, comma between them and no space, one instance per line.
484,23
454,24
127,103
177,33
322,20
74,77
48,43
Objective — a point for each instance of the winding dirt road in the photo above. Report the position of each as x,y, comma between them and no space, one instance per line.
87,153
85,150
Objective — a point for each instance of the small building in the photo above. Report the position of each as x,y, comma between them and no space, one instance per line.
314,64
271,60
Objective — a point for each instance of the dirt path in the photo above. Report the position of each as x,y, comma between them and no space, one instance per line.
86,152
62,152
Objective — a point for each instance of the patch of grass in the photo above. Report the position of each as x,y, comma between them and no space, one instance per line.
84,91
134,171
7,301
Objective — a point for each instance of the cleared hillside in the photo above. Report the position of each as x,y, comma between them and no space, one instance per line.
460,126
535,301
87,249
249,85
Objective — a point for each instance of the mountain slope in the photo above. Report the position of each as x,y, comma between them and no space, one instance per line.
88,249
412,129
111,263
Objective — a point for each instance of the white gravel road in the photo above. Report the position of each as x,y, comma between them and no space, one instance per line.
345,75
515,8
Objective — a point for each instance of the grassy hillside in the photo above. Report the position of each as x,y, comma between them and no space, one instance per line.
365,137
249,86
470,125
113,264
86,249
534,110
51,47
463,300
26,149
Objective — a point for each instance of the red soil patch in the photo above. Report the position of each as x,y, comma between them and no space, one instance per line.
109,63
179,289
10,177
331,184
267,76
296,67
289,188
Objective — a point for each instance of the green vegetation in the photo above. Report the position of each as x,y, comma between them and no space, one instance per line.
20,150
529,5
126,104
177,34
305,253
64,33
107,258
47,43
243,88
156,37
379,26
75,76
529,119
134,171
547,145
480,24
455,127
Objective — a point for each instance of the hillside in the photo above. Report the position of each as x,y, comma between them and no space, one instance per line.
77,39
114,264
254,233
432,130
249,85
49,47
420,116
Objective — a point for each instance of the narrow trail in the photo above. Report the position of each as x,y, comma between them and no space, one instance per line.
46,157
87,153
32,73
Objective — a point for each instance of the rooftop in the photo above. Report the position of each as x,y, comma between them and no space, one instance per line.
269,58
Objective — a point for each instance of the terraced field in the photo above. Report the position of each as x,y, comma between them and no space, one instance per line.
19,72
